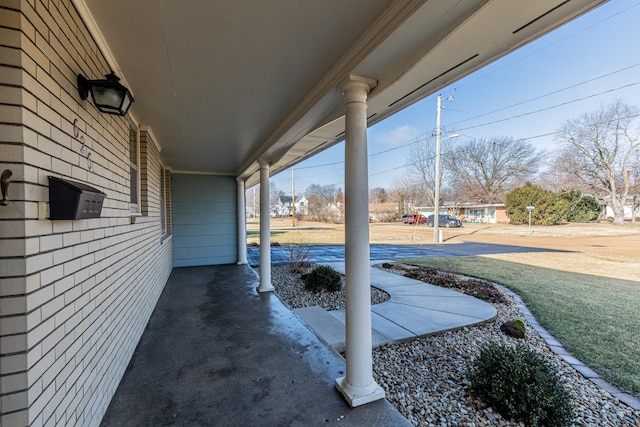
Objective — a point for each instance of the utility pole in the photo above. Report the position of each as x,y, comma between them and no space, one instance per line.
293,199
436,199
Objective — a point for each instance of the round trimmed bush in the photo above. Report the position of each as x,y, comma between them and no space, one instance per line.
520,384
323,277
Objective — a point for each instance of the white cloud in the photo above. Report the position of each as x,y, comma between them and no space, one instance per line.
397,136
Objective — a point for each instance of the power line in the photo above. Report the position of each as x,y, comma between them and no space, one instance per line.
550,45
418,139
516,140
551,107
544,95
421,138
388,170
544,135
413,142
318,166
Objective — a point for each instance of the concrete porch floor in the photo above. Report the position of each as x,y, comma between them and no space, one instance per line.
217,353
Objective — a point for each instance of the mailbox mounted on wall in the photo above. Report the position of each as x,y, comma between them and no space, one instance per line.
73,200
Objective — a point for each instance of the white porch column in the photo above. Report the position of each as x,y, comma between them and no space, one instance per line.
242,223
358,385
265,230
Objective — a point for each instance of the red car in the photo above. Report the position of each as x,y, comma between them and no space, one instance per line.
412,218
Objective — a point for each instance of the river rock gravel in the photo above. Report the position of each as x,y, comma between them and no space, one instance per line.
426,378
291,289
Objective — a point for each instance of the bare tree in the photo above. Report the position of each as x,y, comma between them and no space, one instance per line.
421,169
485,170
252,197
378,195
603,149
321,198
634,185
555,179
408,192
275,196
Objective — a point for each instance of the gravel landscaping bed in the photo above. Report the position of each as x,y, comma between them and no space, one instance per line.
426,378
291,289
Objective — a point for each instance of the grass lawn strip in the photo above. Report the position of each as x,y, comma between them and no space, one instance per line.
596,318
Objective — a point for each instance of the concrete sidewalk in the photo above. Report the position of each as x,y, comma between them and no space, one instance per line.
415,309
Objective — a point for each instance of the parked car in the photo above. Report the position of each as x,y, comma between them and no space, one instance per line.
412,218
445,221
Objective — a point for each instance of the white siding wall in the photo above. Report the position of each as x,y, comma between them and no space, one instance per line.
608,212
75,296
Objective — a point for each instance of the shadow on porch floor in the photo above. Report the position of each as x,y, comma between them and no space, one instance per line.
215,352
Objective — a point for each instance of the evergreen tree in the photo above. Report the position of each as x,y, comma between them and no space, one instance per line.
550,208
581,208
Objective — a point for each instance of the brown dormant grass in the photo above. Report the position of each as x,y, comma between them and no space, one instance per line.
601,249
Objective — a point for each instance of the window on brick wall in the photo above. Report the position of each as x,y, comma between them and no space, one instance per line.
163,201
134,168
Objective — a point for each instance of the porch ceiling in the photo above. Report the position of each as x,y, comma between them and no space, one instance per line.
224,83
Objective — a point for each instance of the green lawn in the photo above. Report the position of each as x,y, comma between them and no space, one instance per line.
597,319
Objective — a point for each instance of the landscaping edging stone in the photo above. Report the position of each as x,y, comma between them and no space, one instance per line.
426,378
558,349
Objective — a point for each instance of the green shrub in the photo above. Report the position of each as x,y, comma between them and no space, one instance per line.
323,277
550,208
582,208
520,384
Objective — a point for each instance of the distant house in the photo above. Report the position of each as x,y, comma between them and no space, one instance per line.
282,206
607,211
336,212
484,213
489,213
302,206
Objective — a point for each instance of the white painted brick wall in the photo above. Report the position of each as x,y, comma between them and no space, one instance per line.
76,295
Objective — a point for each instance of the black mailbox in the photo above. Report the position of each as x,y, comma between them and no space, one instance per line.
73,200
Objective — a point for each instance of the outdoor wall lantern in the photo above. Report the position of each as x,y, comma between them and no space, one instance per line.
109,96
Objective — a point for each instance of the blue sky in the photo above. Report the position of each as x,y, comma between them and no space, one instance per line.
531,92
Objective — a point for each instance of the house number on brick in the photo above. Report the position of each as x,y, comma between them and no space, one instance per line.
83,149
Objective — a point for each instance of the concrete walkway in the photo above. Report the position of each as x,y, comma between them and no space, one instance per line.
217,353
415,309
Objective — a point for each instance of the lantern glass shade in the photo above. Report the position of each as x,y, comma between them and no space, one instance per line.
109,96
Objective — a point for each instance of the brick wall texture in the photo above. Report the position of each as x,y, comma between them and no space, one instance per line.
75,295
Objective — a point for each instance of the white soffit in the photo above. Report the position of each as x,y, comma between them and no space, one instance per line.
224,83
460,37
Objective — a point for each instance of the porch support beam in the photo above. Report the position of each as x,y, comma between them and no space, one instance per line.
265,230
242,222
358,385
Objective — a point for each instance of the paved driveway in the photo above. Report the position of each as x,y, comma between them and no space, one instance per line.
335,253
